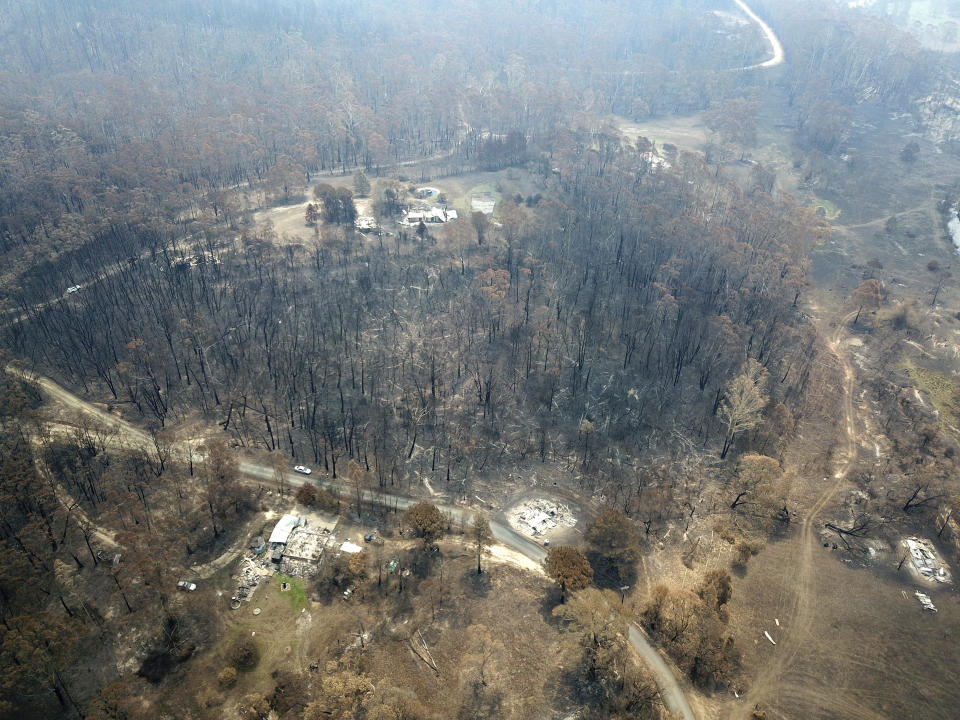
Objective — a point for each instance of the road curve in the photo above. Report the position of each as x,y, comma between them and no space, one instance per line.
670,688
768,33
671,691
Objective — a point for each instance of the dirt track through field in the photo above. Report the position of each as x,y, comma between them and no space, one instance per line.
798,612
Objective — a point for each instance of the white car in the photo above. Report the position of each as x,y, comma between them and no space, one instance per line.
73,288
302,469
188,586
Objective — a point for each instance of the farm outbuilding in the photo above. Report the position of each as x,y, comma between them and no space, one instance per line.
433,215
281,532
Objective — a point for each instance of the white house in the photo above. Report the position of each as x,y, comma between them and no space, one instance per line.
433,215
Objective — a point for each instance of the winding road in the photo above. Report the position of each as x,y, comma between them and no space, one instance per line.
768,33
671,689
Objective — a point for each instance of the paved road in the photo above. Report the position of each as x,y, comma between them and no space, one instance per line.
500,530
670,688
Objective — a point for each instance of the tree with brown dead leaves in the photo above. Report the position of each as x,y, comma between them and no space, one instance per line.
569,568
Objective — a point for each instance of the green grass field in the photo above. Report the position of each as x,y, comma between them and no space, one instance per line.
296,593
830,210
943,391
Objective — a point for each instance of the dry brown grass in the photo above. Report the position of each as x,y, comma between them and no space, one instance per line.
502,619
869,652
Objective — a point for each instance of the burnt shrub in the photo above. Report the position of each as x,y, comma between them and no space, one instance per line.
244,654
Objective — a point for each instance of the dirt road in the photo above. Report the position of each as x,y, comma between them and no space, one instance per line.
799,611
670,689
67,399
768,33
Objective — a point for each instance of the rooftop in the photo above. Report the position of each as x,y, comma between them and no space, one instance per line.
283,528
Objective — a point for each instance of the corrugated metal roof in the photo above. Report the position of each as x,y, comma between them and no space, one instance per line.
283,529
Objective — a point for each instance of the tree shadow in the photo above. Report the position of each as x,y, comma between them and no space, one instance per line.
483,702
156,666
480,584
548,602
420,561
608,575
162,660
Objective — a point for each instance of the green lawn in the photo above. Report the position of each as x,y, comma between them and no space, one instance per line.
830,210
941,389
296,593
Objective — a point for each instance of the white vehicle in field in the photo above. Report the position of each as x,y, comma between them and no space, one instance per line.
302,469
188,586
73,288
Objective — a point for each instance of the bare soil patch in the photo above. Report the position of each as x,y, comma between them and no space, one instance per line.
687,133
287,221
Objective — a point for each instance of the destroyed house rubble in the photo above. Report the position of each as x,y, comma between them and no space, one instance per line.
925,560
537,517
304,550
925,601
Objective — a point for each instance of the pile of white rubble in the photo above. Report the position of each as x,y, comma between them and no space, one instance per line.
537,517
925,560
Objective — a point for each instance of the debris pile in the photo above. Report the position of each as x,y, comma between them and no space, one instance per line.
433,215
301,556
654,161
483,202
296,549
925,560
248,579
536,517
925,601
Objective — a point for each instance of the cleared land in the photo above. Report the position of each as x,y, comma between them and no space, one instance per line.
464,621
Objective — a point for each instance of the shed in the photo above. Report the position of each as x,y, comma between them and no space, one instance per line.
284,527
